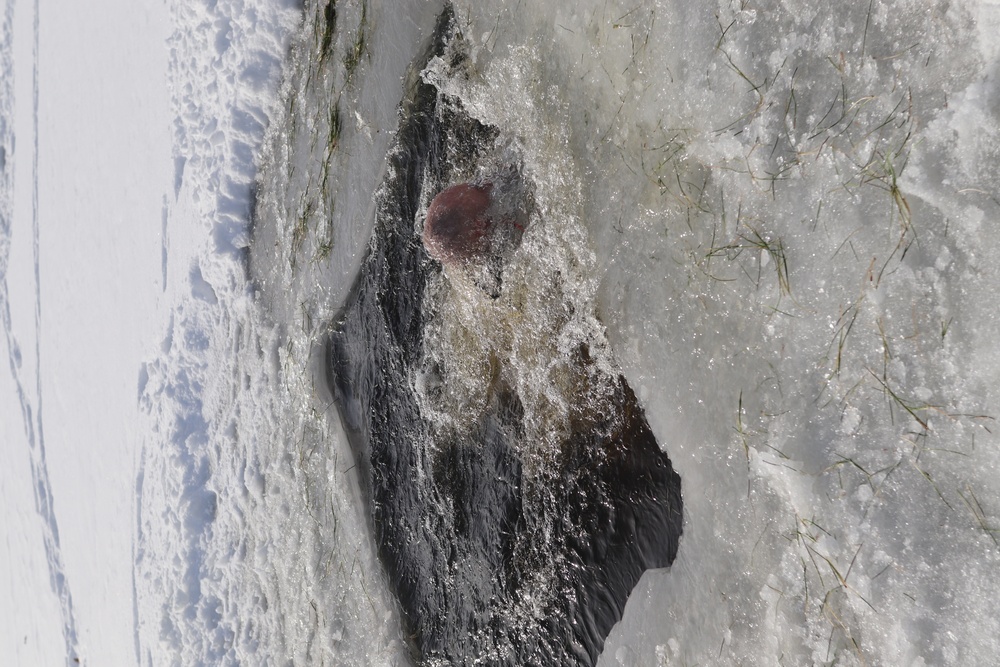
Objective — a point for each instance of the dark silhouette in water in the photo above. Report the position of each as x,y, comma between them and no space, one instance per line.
491,563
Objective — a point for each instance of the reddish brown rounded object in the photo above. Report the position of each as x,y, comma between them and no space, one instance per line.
458,227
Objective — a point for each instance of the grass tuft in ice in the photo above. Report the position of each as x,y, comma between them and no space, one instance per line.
972,502
329,28
761,251
309,226
359,45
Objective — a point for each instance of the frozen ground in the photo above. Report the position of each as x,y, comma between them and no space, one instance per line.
789,210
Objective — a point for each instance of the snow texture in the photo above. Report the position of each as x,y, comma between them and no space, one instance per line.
24,365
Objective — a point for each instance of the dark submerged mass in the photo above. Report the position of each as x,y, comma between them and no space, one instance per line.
490,564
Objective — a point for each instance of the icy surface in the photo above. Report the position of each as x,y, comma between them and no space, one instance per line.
784,212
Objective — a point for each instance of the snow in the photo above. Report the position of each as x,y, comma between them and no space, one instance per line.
89,155
785,211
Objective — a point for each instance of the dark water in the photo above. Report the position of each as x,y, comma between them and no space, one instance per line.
497,553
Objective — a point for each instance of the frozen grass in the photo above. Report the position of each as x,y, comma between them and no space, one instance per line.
343,27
